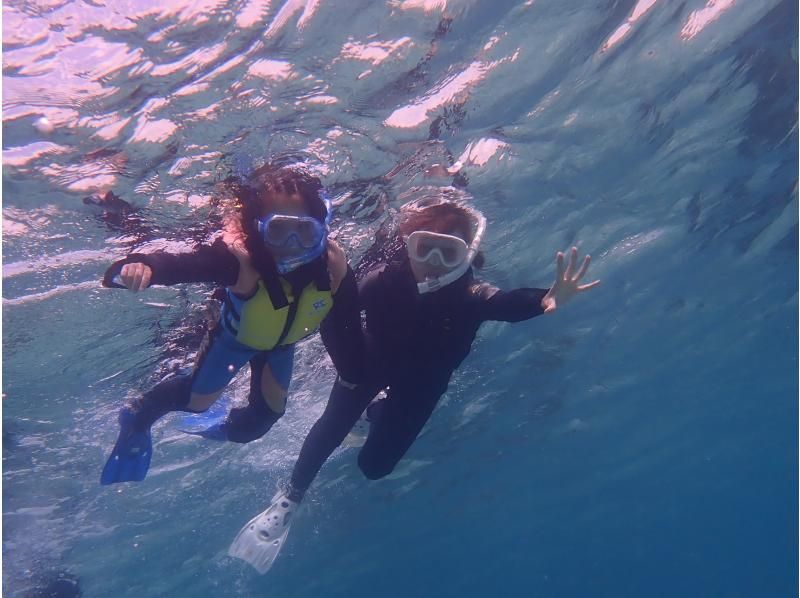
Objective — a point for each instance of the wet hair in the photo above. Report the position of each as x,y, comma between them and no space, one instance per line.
443,218
254,195
269,180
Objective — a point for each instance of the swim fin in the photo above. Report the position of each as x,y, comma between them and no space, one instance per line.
260,541
210,423
130,459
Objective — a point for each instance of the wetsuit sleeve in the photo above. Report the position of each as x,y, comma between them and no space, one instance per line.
207,263
508,306
341,331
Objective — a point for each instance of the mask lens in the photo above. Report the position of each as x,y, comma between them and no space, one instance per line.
308,233
282,231
425,249
443,249
278,231
450,255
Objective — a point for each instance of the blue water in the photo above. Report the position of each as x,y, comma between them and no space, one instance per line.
640,442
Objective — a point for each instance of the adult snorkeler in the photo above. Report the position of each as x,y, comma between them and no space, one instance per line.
283,277
423,310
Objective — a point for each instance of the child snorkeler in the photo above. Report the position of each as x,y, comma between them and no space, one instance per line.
423,310
283,277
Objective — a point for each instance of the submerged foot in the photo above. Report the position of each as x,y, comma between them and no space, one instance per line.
130,459
261,540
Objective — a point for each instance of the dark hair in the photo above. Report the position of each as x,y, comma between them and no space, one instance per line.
270,179
255,193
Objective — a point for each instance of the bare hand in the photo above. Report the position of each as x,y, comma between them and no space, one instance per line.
136,276
566,285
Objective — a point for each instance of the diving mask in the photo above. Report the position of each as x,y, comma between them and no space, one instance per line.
436,249
291,232
446,251
295,240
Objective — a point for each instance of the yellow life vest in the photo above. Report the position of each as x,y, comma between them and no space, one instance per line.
257,324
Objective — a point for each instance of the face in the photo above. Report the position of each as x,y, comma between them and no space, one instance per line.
285,205
424,270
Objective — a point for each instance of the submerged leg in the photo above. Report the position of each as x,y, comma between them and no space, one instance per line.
130,458
217,363
344,407
398,421
270,376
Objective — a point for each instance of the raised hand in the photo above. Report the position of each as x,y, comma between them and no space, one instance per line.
566,285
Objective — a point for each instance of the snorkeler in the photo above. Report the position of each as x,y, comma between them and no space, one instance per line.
423,310
283,277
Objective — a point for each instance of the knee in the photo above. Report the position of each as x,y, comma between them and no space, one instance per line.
173,393
374,469
243,426
200,403
272,393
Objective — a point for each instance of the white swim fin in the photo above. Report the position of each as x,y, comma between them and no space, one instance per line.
260,541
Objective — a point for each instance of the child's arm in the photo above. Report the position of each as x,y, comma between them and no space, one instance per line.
207,263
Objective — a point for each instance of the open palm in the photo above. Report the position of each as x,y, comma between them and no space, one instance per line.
567,281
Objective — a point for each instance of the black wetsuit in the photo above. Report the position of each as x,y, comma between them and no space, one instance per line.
414,342
216,264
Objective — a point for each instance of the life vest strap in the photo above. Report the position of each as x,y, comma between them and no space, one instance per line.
229,314
289,320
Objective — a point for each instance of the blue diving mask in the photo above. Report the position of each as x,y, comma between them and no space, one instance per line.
295,240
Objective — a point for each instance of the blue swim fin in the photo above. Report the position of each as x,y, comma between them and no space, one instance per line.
130,459
208,424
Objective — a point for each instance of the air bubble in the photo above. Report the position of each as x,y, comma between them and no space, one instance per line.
44,126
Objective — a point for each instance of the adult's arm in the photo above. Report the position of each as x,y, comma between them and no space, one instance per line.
508,306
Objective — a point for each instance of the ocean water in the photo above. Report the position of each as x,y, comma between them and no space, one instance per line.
640,442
